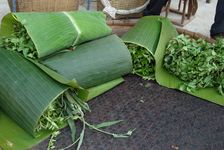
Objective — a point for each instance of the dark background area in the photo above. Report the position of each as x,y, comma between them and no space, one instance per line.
164,119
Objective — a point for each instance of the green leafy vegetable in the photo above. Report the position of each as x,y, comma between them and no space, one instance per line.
20,41
115,135
143,61
107,124
197,62
51,144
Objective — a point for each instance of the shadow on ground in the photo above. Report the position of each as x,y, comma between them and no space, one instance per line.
164,119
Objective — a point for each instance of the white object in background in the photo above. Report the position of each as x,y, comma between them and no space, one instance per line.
110,10
4,8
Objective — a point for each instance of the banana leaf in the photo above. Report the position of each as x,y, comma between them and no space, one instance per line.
142,41
9,140
164,78
145,33
23,98
88,94
13,137
90,64
55,31
23,95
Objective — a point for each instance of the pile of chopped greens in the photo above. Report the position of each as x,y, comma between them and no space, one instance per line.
197,62
143,61
20,41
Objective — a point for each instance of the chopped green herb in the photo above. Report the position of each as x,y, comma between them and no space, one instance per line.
197,62
19,41
143,61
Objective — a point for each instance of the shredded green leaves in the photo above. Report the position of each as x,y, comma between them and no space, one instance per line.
143,61
197,62
52,141
19,41
54,116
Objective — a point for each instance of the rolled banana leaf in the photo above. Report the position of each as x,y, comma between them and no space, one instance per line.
142,41
164,78
90,64
13,137
26,92
145,33
55,31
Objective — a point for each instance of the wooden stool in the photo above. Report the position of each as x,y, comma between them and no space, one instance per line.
187,13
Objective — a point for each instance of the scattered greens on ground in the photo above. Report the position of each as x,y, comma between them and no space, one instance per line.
67,108
197,62
143,61
19,41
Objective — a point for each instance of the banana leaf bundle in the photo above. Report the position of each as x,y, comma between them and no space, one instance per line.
80,72
165,78
142,41
37,35
102,73
64,66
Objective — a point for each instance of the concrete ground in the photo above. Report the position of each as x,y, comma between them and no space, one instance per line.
204,17
202,22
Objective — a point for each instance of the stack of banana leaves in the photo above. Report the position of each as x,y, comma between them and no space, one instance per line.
51,64
176,61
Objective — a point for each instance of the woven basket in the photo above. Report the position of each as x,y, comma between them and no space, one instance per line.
46,5
195,35
125,5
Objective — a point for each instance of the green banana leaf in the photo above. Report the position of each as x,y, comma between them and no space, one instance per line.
145,33
90,64
142,41
19,77
26,91
164,78
13,137
54,31
88,94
